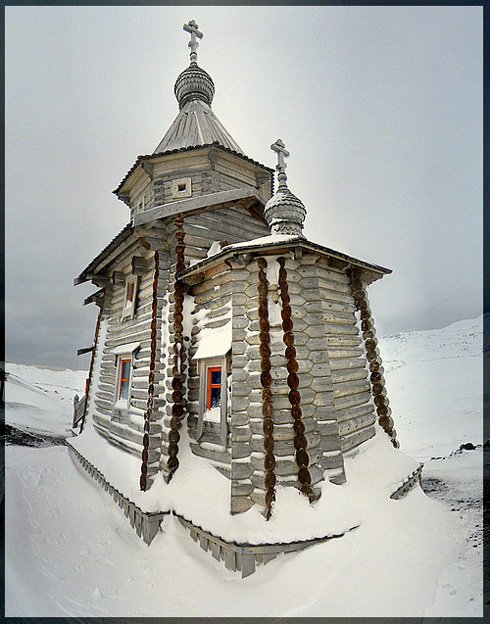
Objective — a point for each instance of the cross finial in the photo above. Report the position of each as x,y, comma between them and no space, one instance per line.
282,153
192,28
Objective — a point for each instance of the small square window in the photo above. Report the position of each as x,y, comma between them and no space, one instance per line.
181,188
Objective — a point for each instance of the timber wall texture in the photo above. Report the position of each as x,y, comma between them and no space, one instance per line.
125,429
248,444
210,171
213,298
351,389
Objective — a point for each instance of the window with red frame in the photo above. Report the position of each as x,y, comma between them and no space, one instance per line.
214,387
130,292
124,379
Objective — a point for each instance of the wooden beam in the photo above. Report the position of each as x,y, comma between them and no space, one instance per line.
118,278
124,197
196,279
96,278
94,297
139,266
148,168
201,201
100,280
86,350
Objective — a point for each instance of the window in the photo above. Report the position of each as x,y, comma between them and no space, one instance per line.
181,188
123,387
214,387
124,380
212,400
129,305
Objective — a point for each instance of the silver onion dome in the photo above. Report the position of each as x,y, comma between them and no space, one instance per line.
194,84
284,212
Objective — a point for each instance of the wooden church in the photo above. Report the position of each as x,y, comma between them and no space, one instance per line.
222,328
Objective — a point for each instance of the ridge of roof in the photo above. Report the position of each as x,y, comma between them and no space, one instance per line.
215,144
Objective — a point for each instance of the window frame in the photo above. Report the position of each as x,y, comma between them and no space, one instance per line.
206,366
210,386
128,311
122,379
122,405
183,193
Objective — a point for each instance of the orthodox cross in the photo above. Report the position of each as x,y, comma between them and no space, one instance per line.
282,153
193,44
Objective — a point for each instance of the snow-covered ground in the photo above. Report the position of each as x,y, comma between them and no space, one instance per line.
70,551
434,381
41,399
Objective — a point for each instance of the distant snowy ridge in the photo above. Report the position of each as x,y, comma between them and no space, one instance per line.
41,399
463,337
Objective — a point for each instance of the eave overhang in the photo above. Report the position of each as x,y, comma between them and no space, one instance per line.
216,145
91,270
296,245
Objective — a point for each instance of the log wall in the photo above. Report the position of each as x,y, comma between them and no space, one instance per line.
212,305
351,390
315,384
210,171
125,429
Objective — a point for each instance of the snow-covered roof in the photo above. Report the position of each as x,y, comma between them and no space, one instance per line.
277,242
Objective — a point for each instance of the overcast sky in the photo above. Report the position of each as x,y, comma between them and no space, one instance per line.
380,108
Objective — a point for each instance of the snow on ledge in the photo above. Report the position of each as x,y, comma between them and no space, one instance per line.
126,348
214,342
264,240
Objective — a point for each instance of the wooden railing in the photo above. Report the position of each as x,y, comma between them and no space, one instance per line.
78,409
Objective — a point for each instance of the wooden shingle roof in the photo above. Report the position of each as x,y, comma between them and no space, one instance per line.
196,124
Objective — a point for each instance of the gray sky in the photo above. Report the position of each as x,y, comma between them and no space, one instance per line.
380,108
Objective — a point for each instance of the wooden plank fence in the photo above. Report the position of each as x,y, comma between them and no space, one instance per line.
245,557
409,483
237,557
146,524
78,409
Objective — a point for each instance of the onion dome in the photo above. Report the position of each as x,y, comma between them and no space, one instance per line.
196,124
194,84
284,212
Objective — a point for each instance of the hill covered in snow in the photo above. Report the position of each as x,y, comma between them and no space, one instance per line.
41,399
434,381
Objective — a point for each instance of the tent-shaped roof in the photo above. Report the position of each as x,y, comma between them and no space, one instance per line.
196,124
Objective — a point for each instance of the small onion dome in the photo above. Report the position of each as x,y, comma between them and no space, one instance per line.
285,213
194,84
